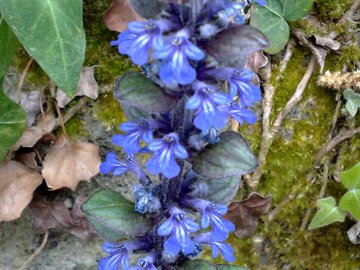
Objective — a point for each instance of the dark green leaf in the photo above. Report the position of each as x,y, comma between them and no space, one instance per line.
351,202
205,265
294,10
271,23
232,46
351,177
8,46
136,90
231,156
147,8
352,101
12,123
52,33
12,116
113,216
327,214
222,190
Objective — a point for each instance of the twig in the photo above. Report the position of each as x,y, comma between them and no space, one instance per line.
36,253
22,77
333,143
348,14
62,123
72,112
325,179
268,136
287,56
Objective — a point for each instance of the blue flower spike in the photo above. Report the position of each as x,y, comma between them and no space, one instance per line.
137,41
206,101
144,264
136,131
216,246
165,151
118,256
175,54
241,115
212,214
240,84
177,228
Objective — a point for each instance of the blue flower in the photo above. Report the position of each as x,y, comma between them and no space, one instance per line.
205,101
175,53
224,248
165,151
144,264
260,2
212,214
178,227
137,131
112,164
233,11
241,115
145,201
118,255
240,84
137,41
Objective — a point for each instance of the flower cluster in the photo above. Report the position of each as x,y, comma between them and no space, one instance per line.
172,51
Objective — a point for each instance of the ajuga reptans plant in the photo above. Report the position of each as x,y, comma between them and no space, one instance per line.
195,78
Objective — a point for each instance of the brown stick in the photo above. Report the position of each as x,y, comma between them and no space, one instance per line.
36,253
268,137
23,76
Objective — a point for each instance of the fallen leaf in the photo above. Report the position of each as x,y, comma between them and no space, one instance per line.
31,135
17,184
354,234
327,42
87,86
29,160
245,214
119,14
66,164
55,215
319,52
257,60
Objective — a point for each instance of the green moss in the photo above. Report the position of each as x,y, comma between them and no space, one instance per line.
331,10
75,128
98,50
348,58
108,111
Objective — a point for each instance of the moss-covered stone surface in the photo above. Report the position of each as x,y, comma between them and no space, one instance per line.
279,244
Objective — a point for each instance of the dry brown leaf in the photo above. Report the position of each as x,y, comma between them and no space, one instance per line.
257,60
245,214
29,160
119,14
327,42
55,215
17,184
66,164
87,86
31,135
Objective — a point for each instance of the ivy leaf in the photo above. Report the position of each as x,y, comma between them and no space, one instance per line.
52,33
12,116
271,23
231,156
351,177
113,217
272,20
351,202
232,46
353,101
327,214
205,265
222,190
138,91
294,10
8,46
